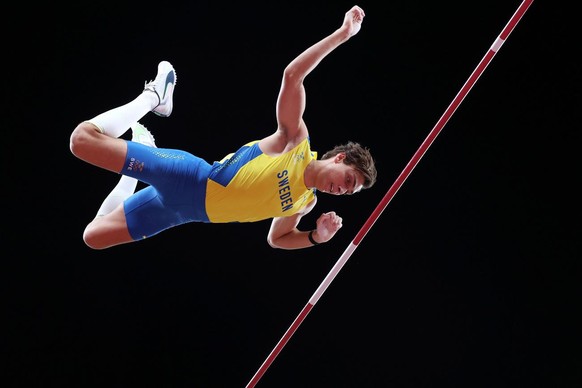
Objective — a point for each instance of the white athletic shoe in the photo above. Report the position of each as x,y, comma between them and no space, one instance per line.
163,87
142,135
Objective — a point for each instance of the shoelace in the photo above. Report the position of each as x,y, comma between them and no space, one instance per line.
152,88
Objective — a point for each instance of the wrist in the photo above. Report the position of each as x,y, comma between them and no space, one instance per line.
311,239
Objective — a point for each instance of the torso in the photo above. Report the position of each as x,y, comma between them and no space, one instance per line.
253,184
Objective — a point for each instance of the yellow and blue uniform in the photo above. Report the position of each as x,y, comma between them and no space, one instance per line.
250,186
244,186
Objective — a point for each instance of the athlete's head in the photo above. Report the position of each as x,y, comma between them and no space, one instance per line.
352,169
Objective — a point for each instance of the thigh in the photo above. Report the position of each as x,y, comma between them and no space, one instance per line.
162,167
147,214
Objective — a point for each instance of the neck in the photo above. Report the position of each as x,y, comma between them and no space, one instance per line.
309,174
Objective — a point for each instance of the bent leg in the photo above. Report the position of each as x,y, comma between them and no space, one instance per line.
96,141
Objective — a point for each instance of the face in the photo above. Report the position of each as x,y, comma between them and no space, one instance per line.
338,178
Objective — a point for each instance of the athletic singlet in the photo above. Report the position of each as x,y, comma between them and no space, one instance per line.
249,185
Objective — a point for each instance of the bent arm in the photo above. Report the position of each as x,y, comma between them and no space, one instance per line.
291,99
284,234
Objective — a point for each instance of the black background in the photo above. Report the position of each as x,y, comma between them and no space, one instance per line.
469,278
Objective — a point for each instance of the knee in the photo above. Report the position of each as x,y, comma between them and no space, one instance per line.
82,135
91,238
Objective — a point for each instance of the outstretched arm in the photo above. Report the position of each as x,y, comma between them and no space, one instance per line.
291,100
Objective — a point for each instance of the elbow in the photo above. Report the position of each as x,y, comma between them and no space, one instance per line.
272,243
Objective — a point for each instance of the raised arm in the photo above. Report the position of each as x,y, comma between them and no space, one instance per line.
291,99
291,130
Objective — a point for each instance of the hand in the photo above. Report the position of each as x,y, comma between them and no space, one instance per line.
327,226
353,20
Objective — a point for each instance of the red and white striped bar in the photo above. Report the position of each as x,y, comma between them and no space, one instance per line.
393,189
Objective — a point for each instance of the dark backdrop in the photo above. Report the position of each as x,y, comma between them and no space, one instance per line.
469,278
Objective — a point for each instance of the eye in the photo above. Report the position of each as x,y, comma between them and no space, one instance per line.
351,181
349,184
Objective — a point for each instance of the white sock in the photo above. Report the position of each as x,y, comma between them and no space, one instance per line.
116,122
120,193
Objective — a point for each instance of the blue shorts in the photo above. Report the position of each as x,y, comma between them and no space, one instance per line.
176,191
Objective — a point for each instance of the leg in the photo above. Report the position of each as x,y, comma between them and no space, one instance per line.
109,226
108,230
96,142
175,195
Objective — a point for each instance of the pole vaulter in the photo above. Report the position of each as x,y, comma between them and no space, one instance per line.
394,188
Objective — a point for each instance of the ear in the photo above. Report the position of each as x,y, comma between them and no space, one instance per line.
340,157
